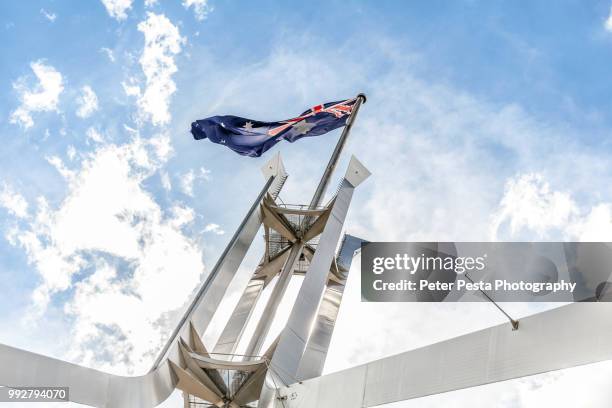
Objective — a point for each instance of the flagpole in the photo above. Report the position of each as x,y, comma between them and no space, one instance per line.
333,160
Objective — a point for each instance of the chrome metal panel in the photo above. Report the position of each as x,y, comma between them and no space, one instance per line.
315,354
572,335
87,386
343,389
312,362
356,172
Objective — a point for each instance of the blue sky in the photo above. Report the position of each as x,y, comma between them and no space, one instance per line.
485,120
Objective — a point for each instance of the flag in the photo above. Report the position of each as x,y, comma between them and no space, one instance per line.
252,137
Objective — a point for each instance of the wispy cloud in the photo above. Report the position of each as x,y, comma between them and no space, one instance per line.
109,53
13,202
93,135
117,9
214,228
48,15
608,22
531,206
188,179
42,97
528,202
165,180
87,102
201,8
162,42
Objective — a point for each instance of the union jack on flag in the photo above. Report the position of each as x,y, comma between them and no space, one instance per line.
252,138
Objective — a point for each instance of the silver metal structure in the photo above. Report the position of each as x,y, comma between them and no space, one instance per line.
302,240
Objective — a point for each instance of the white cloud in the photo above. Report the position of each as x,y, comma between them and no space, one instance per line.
165,180
109,53
131,87
188,179
44,97
71,152
13,202
117,8
61,168
48,15
595,225
93,135
200,8
87,101
150,3
608,23
181,215
162,43
528,202
530,206
214,228
110,224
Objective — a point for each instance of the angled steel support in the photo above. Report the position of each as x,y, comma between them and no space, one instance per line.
313,360
318,343
569,336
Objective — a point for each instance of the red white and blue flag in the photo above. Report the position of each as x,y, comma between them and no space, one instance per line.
252,138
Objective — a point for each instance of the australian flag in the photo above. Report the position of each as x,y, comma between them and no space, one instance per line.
252,137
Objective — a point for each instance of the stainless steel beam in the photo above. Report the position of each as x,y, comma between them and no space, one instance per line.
569,336
313,360
315,354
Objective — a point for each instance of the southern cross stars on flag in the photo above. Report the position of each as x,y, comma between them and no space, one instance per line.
252,138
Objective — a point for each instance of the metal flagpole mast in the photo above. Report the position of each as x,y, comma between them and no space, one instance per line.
333,160
263,326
